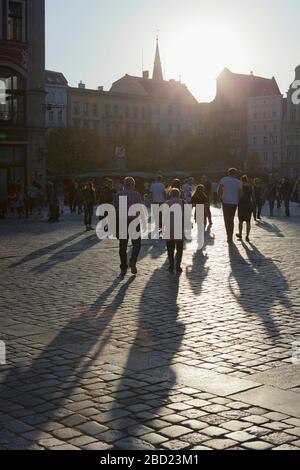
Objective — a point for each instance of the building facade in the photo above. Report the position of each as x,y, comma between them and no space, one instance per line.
22,92
230,109
135,106
291,133
264,133
56,87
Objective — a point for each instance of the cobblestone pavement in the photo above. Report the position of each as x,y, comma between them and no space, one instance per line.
200,361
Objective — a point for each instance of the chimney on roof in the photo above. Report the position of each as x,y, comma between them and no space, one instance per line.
100,88
81,85
251,73
146,74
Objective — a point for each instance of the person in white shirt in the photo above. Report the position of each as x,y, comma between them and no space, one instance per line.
187,189
158,192
230,191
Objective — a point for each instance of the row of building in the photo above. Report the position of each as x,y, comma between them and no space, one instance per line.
263,126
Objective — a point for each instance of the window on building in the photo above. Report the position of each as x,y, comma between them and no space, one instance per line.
51,116
135,113
127,112
95,109
107,110
116,111
76,108
60,116
86,109
16,21
266,156
12,97
265,140
86,123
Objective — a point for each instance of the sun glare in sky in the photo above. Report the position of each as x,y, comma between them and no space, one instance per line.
197,39
201,52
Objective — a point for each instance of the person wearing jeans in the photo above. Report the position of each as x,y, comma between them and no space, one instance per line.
89,199
230,191
173,242
271,196
133,197
257,199
136,247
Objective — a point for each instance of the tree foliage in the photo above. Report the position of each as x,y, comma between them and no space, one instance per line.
73,150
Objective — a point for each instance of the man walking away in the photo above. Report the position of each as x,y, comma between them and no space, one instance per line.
230,191
133,197
61,197
257,194
158,192
287,190
214,189
271,195
172,242
208,187
89,200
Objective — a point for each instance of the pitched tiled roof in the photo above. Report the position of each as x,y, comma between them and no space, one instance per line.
55,78
170,90
248,85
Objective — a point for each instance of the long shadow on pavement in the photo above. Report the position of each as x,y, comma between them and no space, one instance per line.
43,388
158,339
261,285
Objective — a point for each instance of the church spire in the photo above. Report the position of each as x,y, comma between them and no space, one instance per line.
157,71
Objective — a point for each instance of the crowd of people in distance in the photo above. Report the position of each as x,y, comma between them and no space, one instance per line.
242,195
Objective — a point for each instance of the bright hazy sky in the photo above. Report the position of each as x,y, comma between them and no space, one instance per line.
98,41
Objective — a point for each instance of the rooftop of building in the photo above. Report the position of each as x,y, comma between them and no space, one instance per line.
249,85
170,90
55,78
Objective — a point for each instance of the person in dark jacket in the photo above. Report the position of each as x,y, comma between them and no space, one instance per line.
286,191
271,196
53,204
245,208
257,194
89,200
200,197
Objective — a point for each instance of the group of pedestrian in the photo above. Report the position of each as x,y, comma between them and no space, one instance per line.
23,202
237,195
